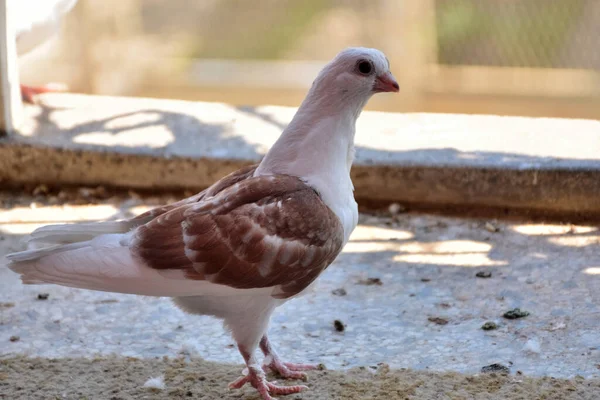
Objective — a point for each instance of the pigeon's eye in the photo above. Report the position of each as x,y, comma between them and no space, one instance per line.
364,67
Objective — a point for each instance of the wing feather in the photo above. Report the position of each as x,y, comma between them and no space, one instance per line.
267,231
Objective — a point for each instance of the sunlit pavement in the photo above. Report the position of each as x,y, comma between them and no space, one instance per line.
410,298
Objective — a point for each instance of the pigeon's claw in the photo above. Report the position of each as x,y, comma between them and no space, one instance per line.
257,379
303,367
288,370
285,370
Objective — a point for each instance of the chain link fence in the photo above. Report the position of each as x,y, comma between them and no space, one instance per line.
505,33
519,33
543,53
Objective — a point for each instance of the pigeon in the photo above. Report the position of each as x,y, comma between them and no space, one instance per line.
36,21
250,242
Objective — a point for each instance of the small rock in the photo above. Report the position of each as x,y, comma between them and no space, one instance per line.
62,195
489,326
43,296
40,190
339,325
395,208
425,279
370,282
495,368
529,281
86,193
483,274
491,227
53,200
383,368
438,320
14,338
339,292
106,301
515,313
7,305
101,192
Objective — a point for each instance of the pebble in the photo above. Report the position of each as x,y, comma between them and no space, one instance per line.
339,292
395,208
489,326
515,313
370,282
438,320
503,369
40,190
491,227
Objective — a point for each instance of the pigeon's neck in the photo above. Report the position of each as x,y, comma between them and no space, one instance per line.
319,141
318,147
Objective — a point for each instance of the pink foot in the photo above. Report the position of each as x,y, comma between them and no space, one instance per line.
257,379
28,93
285,370
288,370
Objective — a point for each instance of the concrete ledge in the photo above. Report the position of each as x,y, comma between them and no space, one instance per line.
435,159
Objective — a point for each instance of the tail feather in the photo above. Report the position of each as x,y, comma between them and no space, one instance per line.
82,232
107,264
34,254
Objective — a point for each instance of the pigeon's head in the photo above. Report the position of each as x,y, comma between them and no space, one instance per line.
360,71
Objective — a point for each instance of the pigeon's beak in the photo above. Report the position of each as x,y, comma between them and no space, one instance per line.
386,83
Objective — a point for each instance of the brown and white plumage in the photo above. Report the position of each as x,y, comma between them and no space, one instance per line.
248,243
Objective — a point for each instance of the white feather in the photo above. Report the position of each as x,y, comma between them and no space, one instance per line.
69,233
105,263
157,383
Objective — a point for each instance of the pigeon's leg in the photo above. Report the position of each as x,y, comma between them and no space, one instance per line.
247,327
28,93
284,369
256,377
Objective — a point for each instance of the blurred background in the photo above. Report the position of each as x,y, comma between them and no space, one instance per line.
511,57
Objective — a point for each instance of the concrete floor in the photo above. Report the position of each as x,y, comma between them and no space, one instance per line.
425,314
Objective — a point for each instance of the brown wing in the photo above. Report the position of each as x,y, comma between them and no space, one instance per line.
231,179
264,231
